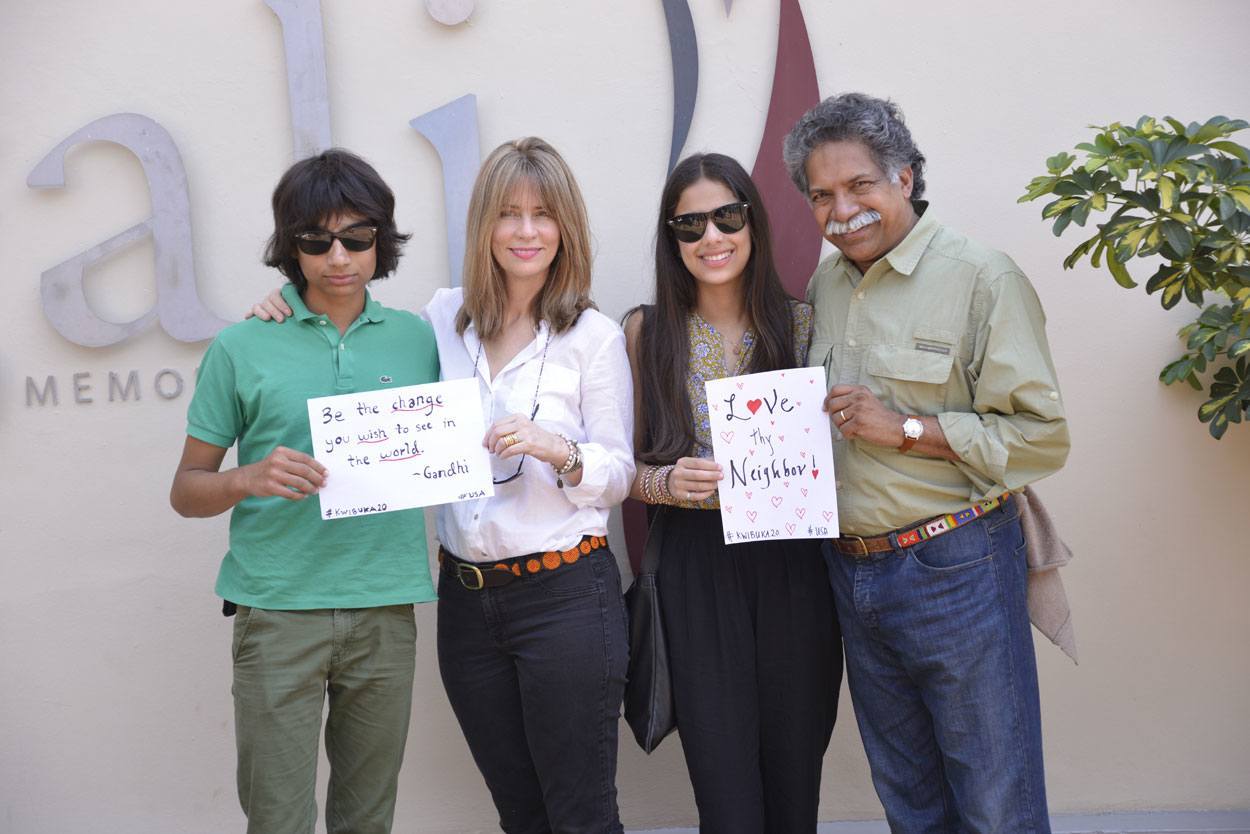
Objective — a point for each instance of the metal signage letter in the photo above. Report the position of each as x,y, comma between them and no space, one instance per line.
303,43
178,306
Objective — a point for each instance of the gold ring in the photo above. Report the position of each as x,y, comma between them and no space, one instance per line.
842,414
510,439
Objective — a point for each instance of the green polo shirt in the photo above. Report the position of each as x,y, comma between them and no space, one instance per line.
938,326
253,386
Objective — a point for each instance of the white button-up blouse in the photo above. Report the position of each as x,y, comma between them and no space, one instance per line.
585,393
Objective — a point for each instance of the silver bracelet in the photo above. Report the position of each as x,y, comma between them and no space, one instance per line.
573,461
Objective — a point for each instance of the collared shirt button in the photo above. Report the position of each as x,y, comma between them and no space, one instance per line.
850,343
860,295
1054,395
322,322
342,346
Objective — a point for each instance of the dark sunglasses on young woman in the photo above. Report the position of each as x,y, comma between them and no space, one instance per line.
729,218
355,239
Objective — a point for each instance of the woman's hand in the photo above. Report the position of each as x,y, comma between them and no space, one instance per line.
517,435
272,307
694,479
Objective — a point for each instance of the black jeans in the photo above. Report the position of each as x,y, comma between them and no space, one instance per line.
756,660
535,671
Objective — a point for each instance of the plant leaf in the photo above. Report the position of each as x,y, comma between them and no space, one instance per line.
1120,273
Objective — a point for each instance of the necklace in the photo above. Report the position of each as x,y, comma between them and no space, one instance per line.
542,363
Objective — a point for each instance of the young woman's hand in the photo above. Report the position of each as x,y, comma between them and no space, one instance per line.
694,479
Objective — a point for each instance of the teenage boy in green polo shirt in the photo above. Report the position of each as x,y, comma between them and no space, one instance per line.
323,606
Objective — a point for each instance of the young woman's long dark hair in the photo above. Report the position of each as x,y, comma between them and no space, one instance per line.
664,349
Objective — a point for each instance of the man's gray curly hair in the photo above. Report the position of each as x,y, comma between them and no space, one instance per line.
855,117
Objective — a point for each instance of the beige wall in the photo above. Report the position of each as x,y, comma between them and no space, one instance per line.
116,713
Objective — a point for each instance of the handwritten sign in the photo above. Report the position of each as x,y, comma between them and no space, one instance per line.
773,440
399,448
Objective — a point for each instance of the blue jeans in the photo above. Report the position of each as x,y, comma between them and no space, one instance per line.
941,670
535,672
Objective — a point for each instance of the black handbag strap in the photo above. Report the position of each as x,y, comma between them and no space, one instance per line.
655,535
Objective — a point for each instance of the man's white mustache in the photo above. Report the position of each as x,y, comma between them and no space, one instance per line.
859,221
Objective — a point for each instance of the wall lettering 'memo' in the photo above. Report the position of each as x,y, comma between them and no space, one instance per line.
167,383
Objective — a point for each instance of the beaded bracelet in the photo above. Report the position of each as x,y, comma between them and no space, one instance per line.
571,464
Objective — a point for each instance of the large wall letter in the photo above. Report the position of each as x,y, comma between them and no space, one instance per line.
683,47
796,237
303,42
178,306
452,130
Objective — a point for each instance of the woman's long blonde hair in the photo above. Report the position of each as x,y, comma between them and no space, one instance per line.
566,292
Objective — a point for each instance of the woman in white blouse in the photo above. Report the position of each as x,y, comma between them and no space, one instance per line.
532,641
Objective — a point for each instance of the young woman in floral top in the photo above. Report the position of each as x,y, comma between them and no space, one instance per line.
754,648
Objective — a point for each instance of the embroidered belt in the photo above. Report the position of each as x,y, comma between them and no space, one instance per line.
911,536
476,576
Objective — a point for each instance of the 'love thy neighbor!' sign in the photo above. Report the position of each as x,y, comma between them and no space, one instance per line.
398,448
773,440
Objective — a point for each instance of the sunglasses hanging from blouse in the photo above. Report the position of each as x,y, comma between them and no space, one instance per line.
533,411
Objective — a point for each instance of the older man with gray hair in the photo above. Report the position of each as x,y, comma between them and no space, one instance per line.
944,402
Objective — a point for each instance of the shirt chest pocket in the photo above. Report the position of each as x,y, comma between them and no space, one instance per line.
559,398
910,380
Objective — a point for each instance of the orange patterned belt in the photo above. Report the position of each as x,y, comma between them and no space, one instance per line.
476,576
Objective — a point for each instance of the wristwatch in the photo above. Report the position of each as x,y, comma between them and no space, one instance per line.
912,429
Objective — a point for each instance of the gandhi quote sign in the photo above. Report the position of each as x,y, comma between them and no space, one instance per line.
773,440
399,448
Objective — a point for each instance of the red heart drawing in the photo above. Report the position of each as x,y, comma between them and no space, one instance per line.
716,408
786,484
728,508
740,384
727,436
754,405
815,472
750,451
781,437
807,429
790,528
828,515
802,454
776,500
804,491
751,514
800,511
748,496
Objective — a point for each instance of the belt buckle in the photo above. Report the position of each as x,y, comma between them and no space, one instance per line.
862,544
463,569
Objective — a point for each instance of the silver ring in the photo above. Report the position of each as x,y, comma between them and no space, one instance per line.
689,495
842,414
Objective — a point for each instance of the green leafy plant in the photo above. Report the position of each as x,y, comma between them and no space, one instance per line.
1177,195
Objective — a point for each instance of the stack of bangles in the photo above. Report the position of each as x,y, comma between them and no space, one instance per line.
655,485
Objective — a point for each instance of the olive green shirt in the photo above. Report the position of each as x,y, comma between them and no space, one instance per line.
938,326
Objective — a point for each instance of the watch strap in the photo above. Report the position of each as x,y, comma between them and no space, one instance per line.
908,442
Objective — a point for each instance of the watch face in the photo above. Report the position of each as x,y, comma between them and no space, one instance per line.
912,428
